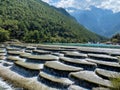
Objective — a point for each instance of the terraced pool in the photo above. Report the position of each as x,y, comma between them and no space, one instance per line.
4,85
52,67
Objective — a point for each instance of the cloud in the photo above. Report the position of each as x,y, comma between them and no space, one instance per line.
70,11
113,5
71,4
47,1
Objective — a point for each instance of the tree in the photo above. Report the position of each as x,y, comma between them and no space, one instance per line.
32,36
44,23
4,35
116,38
36,36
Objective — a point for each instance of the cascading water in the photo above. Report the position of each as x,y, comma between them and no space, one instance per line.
52,76
4,85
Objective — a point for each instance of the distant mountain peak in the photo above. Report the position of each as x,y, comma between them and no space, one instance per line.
101,21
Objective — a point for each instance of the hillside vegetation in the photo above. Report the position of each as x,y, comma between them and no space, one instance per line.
35,21
116,38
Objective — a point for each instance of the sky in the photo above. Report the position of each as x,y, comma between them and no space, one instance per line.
113,5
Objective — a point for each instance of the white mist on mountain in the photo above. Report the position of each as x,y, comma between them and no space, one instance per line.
99,16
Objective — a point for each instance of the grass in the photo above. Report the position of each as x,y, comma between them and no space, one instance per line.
116,83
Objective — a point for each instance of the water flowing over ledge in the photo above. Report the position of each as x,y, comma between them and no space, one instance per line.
33,71
16,79
4,85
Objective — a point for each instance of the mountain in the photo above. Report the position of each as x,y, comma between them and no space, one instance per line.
101,21
36,21
116,39
63,11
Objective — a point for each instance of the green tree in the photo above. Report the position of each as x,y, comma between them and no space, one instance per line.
116,38
32,36
36,36
36,21
4,35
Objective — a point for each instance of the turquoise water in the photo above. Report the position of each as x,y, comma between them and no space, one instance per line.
86,45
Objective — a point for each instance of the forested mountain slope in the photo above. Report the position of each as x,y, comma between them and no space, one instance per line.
36,21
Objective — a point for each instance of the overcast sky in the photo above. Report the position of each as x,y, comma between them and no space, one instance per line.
113,5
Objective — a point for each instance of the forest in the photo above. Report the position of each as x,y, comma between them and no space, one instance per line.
116,38
34,21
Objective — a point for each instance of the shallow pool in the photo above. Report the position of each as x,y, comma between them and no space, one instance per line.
86,45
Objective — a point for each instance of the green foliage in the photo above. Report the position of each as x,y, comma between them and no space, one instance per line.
116,38
36,21
4,35
32,36
116,83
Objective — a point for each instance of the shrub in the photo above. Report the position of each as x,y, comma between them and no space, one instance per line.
116,83
4,35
